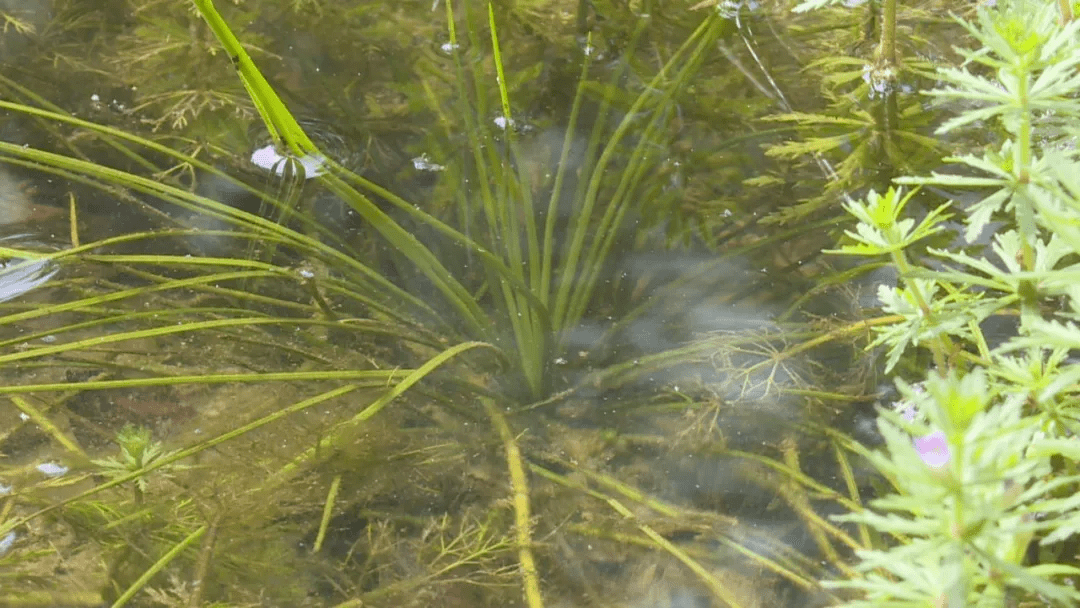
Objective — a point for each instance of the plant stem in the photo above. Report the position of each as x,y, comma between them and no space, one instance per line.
887,47
522,506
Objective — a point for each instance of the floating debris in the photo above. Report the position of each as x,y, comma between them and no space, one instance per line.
423,163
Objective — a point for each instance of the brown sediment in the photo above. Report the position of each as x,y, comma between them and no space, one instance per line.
154,409
17,205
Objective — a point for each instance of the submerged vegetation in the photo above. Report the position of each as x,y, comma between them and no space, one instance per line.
456,304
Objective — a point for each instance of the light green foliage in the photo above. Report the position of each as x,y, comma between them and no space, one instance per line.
982,457
966,524
881,232
1032,61
880,229
137,451
925,317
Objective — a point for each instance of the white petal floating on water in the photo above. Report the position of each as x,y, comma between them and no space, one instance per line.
268,158
51,469
20,276
7,542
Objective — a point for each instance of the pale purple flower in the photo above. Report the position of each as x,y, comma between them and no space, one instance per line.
933,449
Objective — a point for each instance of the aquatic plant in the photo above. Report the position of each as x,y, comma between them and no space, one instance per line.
872,123
982,460
537,283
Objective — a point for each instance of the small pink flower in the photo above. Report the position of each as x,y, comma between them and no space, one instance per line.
933,449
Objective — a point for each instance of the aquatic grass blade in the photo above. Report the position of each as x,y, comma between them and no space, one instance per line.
289,133
284,129
405,379
158,566
575,291
170,458
267,230
531,333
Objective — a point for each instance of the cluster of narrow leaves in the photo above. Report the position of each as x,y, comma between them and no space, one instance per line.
981,454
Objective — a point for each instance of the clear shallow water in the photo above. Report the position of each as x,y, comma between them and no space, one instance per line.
661,398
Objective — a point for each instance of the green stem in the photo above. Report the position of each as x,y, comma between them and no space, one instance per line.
942,345
887,48
1025,209
886,112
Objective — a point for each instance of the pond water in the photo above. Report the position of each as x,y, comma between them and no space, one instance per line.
591,349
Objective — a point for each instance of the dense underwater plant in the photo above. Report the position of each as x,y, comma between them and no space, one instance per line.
982,462
873,124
